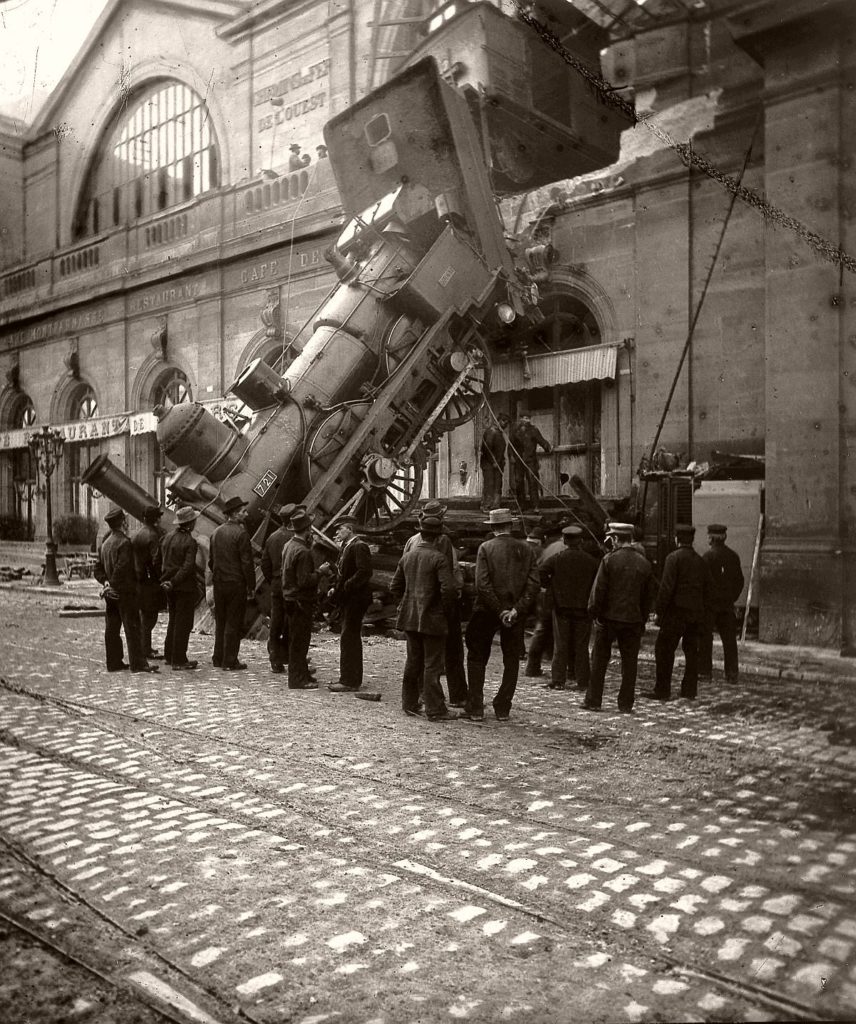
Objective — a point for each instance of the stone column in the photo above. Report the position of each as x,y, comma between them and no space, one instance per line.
808,560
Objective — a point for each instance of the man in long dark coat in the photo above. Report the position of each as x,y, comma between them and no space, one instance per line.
271,566
620,601
506,587
146,544
453,654
726,576
115,569
230,559
568,576
682,608
424,587
299,595
178,580
352,592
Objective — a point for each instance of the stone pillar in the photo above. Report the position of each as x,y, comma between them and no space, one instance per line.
808,560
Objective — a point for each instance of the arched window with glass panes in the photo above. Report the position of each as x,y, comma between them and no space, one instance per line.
172,388
160,150
79,454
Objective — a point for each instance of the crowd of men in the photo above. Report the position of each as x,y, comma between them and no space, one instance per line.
583,605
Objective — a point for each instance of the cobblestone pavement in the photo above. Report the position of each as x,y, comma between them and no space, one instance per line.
274,855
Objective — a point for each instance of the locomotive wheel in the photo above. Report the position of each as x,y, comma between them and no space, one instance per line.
469,397
379,509
385,492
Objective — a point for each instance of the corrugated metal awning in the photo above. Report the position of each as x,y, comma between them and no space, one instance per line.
546,371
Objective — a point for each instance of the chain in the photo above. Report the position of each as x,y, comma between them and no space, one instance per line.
689,157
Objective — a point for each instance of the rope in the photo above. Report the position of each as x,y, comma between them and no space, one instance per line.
702,297
689,157
558,497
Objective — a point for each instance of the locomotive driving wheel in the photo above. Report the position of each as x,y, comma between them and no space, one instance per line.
376,488
470,395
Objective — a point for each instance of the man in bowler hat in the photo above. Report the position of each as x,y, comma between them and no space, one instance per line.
230,559
506,588
453,654
425,590
178,580
116,571
682,608
726,577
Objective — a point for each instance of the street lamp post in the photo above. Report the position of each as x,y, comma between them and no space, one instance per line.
46,448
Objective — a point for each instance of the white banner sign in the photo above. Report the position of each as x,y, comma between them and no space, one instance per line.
81,430
109,426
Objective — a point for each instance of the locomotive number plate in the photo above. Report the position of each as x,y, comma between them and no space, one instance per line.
265,484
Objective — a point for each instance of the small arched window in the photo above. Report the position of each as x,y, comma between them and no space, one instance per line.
160,150
568,323
87,405
172,389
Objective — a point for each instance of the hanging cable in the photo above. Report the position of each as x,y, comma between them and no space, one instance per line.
697,311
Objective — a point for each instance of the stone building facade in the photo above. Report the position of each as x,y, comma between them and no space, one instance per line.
164,219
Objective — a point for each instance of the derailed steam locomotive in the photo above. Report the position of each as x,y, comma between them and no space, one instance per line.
399,349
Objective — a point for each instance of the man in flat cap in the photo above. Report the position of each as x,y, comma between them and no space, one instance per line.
178,580
506,588
271,566
682,608
726,576
146,544
425,590
568,576
230,559
621,600
116,572
453,653
352,592
299,595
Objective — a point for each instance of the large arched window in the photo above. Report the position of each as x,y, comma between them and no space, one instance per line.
567,414
161,150
172,388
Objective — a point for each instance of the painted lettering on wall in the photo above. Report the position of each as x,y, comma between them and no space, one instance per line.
71,324
293,111
258,272
294,81
165,297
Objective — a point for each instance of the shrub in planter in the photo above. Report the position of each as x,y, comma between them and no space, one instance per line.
13,528
75,530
